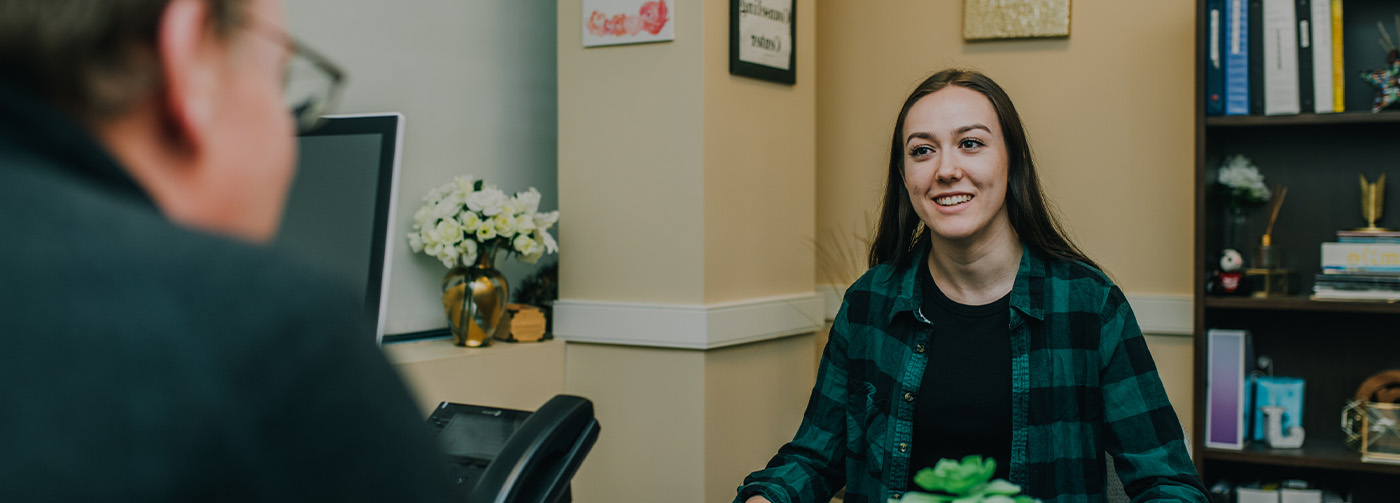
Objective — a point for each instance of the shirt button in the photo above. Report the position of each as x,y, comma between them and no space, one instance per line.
919,348
903,447
908,397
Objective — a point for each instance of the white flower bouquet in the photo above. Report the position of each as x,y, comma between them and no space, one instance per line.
1242,181
466,217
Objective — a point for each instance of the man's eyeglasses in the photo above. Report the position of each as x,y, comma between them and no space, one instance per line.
310,83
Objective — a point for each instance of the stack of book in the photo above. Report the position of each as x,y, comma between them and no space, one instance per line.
1360,266
1274,57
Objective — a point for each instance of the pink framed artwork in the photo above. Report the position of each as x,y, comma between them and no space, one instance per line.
615,22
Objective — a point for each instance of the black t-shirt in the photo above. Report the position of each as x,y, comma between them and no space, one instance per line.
964,404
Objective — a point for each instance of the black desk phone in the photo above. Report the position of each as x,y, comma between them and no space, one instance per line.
514,456
471,436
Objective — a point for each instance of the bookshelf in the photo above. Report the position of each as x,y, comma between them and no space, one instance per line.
1333,345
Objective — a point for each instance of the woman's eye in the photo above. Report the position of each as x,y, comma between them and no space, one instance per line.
921,150
970,143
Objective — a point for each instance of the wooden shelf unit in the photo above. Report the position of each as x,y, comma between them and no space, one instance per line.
1333,345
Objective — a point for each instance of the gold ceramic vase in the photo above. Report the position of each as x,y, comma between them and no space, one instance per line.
474,298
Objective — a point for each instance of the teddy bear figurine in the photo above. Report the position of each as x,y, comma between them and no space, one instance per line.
1229,278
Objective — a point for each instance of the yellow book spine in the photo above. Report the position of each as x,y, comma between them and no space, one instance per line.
1338,64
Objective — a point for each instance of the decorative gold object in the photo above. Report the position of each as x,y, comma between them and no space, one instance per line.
1002,19
1272,282
1374,429
1372,202
476,318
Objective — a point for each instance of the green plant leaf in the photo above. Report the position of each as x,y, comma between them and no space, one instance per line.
918,497
1000,486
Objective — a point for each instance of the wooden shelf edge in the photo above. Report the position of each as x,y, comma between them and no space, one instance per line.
1301,303
1329,457
1386,117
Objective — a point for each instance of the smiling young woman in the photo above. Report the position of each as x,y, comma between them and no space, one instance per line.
979,329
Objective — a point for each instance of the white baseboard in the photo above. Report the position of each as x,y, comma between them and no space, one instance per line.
1163,314
1157,314
725,324
687,326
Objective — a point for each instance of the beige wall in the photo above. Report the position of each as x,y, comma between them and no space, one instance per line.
1109,111
746,423
632,164
649,403
684,185
1173,355
760,175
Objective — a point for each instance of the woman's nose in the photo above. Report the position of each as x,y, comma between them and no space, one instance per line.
948,170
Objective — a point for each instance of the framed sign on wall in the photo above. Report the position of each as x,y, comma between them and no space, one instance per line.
1012,19
763,39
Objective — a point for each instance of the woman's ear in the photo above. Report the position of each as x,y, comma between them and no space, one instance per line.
184,47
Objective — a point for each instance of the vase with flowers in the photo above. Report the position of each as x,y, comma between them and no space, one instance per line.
464,224
1244,187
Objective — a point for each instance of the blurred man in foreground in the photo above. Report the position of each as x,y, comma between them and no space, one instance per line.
153,351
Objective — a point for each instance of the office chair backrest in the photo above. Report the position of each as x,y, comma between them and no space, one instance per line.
540,458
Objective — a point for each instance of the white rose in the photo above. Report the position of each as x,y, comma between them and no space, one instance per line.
505,225
525,224
448,255
415,242
525,245
431,235
449,230
470,221
510,207
528,201
486,233
468,250
547,240
432,248
488,202
420,217
546,220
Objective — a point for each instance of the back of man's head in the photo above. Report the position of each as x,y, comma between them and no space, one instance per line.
187,96
92,58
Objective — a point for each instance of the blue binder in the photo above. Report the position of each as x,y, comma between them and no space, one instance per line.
1235,46
1215,57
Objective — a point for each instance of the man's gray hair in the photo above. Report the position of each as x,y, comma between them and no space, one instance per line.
92,58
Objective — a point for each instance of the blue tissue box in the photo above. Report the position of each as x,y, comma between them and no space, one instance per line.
1286,392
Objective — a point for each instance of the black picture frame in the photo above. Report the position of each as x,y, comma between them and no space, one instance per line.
754,70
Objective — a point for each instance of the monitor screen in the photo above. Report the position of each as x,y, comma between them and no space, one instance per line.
340,210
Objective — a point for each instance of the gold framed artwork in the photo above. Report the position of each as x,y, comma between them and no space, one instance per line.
1011,19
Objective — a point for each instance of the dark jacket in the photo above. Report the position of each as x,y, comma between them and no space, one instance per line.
143,361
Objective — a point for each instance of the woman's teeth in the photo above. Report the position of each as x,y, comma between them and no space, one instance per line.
953,200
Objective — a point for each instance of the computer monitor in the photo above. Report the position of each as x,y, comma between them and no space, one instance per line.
340,211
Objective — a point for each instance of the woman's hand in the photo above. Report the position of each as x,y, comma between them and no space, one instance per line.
757,499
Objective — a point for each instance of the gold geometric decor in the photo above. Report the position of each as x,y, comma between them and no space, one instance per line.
1003,19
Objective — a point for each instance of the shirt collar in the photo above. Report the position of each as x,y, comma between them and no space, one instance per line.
30,127
1030,281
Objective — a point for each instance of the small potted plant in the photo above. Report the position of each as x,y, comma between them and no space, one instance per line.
968,481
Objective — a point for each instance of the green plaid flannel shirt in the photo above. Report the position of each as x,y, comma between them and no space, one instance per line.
1083,386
